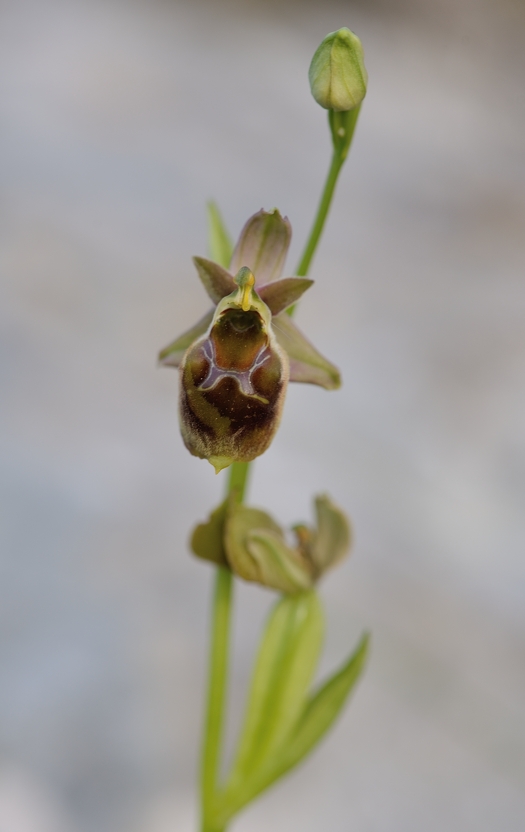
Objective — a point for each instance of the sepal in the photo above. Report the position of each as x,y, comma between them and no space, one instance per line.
257,551
329,542
207,539
263,245
171,356
306,363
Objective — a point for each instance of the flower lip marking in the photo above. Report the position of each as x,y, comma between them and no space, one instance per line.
242,377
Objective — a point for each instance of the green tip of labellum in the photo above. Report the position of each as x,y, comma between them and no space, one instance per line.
220,462
245,281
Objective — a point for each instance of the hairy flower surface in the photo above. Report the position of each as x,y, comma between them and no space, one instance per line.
236,361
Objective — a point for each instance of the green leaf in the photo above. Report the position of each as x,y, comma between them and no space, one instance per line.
285,665
318,715
219,241
207,538
324,707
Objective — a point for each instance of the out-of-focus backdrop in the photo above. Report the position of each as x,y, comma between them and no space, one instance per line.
120,119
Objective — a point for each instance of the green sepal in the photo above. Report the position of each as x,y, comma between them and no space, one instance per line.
207,538
306,363
219,241
257,551
263,245
286,662
171,356
332,537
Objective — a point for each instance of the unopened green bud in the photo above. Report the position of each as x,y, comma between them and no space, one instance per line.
257,551
337,74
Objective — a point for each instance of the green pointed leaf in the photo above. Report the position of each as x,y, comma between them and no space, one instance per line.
263,246
220,244
319,714
216,280
171,356
285,665
207,538
331,539
282,293
306,363
324,707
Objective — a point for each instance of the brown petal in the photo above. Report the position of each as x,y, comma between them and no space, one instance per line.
306,363
171,356
281,294
263,246
217,281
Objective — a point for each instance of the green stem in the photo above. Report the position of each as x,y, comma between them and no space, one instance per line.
222,603
218,670
322,212
342,141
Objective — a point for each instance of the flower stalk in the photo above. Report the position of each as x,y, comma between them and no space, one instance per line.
342,126
235,364
223,592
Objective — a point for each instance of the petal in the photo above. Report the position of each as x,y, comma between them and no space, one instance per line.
171,356
241,519
263,246
217,281
281,294
331,539
306,364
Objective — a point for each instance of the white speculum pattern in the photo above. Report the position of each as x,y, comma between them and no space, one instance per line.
242,377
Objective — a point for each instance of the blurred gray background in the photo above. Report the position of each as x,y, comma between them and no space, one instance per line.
120,119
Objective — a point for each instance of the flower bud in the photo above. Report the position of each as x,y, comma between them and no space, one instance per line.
257,551
337,74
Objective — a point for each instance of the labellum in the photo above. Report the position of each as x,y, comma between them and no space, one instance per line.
233,381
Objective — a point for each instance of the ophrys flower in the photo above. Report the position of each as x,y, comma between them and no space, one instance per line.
235,363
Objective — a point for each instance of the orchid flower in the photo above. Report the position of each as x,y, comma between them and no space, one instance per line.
236,361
